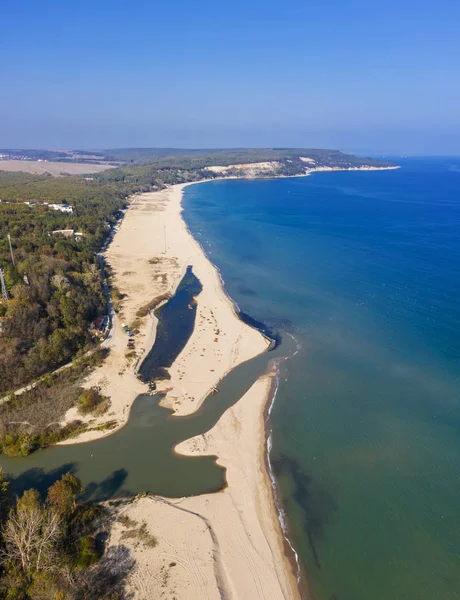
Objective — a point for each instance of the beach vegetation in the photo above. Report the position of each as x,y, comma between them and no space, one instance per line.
49,548
153,304
140,534
34,419
91,401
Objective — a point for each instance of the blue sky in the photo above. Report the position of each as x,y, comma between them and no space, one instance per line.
361,76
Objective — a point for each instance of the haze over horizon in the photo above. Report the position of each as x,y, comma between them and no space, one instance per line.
361,78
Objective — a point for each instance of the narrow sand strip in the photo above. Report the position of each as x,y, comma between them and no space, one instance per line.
225,545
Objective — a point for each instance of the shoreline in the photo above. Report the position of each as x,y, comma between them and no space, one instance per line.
146,266
243,515
250,498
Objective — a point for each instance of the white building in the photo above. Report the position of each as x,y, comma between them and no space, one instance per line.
61,207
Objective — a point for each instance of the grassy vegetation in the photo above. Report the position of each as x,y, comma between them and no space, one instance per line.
92,402
32,420
137,532
144,310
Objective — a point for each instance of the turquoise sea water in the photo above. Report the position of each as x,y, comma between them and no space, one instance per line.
363,269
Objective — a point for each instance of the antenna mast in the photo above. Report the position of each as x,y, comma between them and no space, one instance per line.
4,290
11,250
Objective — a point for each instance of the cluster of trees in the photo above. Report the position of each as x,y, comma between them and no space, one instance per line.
54,285
48,549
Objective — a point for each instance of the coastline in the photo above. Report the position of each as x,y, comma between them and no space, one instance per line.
227,544
242,519
149,255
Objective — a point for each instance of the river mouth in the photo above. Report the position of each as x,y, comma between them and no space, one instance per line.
140,457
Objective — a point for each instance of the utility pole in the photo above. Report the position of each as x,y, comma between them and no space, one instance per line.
4,290
11,250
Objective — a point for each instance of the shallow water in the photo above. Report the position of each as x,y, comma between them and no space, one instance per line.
176,320
363,269
140,457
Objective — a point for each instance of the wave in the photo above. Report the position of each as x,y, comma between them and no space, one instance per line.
275,365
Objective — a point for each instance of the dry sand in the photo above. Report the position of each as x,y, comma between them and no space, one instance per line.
149,255
224,545
249,170
53,168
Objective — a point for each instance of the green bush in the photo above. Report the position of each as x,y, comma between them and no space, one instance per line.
90,401
88,554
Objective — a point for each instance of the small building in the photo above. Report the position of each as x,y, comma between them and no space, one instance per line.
78,235
62,207
99,325
64,232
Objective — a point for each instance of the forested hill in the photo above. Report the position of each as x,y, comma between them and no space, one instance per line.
195,159
54,285
176,157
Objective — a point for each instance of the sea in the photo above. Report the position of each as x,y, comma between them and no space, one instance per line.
361,270
356,276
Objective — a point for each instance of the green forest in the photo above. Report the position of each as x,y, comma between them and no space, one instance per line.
54,285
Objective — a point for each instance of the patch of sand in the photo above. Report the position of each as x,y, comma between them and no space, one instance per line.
305,159
183,565
248,169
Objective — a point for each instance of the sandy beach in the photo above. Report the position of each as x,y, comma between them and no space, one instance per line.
149,256
224,545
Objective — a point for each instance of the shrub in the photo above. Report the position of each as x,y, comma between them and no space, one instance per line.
92,401
88,554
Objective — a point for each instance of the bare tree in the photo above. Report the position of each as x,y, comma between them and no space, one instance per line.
31,535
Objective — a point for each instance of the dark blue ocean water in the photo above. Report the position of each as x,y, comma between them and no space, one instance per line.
363,269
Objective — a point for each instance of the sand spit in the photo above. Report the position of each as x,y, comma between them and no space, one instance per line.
225,545
149,255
